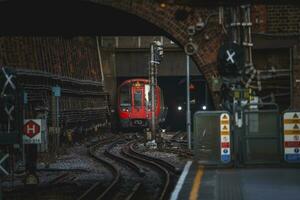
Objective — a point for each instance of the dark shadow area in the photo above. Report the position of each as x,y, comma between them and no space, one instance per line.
70,18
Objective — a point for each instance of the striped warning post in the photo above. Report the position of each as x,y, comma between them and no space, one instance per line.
225,137
291,131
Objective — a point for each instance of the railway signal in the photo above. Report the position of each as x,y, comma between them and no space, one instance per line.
8,94
10,107
231,60
156,51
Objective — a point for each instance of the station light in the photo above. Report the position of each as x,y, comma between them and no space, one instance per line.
204,107
179,108
162,5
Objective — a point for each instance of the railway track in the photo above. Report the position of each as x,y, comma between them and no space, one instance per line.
63,178
126,174
131,173
135,175
96,190
179,137
161,171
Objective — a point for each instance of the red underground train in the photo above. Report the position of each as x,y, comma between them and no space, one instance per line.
134,104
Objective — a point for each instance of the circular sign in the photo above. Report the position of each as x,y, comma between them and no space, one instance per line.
225,151
190,48
296,150
231,59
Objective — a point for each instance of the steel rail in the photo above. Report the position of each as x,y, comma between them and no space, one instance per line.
159,161
93,191
127,162
166,175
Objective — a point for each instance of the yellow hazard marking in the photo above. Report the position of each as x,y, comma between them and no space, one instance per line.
292,132
224,132
292,121
196,184
224,117
224,121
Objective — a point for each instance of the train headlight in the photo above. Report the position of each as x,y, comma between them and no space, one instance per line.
179,108
204,107
125,109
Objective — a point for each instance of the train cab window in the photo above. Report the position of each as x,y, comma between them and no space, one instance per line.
138,98
125,99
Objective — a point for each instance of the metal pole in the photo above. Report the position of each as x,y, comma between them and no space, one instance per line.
152,83
100,60
188,112
206,93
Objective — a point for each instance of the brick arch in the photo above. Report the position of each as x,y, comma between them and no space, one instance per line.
164,18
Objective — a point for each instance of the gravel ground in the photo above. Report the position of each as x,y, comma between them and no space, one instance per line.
172,158
83,170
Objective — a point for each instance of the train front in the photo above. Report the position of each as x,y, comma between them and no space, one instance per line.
133,104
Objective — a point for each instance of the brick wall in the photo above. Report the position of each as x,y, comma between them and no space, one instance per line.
283,18
72,57
259,18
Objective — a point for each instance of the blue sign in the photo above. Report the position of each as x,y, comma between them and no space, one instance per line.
292,157
225,158
56,91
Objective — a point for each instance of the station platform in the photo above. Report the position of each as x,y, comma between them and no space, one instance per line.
198,182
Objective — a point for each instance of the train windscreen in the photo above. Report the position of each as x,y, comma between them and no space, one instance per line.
138,98
125,100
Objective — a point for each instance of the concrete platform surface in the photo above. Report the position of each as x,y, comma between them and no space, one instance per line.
238,184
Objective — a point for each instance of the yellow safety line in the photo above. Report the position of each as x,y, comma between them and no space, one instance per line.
196,185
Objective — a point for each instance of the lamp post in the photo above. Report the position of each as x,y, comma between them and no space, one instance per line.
188,110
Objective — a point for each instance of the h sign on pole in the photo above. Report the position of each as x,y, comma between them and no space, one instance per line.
32,131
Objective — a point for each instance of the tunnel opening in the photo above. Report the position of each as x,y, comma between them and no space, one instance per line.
108,21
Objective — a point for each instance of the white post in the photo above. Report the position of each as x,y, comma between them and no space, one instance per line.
188,112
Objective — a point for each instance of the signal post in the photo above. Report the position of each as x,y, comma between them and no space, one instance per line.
156,51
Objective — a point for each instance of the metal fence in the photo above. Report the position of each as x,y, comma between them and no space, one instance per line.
261,141
206,137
